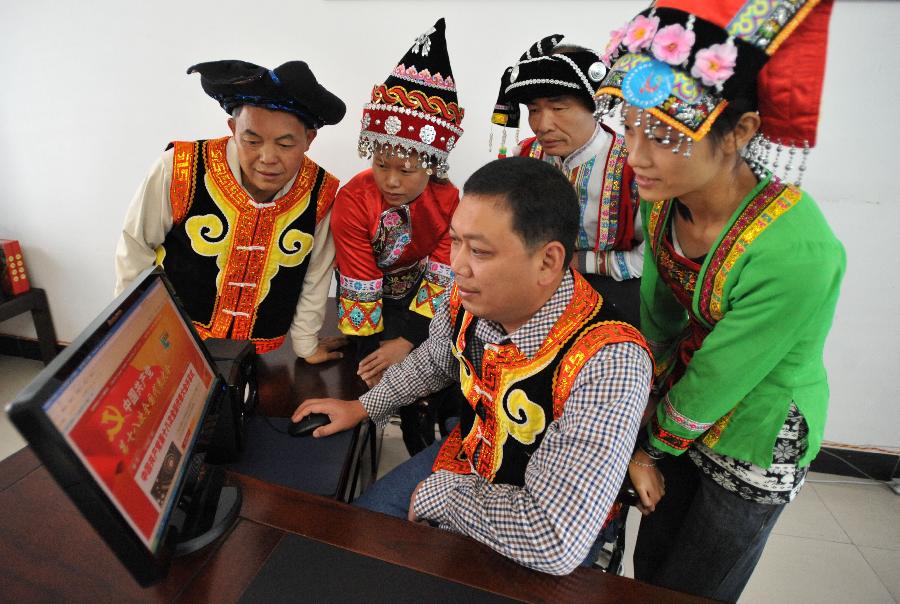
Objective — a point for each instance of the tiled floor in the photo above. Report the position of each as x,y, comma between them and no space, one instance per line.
835,543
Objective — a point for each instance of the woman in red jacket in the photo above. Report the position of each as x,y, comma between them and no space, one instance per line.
391,223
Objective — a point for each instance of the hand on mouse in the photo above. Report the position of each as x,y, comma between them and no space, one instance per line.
343,414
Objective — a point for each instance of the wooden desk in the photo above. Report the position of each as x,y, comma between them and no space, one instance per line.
51,554
285,380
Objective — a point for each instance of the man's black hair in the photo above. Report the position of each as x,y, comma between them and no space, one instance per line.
542,201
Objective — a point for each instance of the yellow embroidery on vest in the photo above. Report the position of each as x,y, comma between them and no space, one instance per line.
208,236
524,419
508,407
289,248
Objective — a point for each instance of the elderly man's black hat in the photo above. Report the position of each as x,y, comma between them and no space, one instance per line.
290,87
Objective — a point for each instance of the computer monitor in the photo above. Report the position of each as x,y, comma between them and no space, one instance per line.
119,419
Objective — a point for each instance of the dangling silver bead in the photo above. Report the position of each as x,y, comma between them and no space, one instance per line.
668,137
677,146
778,149
790,163
690,146
802,167
637,120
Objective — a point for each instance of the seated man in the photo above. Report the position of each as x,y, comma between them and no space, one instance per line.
240,223
556,83
553,396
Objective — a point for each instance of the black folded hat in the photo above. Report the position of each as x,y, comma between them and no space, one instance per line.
540,73
290,87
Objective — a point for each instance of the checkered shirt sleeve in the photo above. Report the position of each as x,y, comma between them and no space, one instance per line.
428,368
571,481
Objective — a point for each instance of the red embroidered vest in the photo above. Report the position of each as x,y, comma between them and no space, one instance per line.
238,266
509,407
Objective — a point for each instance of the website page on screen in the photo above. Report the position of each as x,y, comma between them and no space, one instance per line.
132,408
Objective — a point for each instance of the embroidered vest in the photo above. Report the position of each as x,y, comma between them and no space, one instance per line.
508,408
238,266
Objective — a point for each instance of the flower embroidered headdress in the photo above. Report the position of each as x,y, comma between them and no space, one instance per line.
416,108
682,61
540,73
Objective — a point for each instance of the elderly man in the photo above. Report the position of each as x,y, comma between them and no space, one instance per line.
551,394
241,223
556,83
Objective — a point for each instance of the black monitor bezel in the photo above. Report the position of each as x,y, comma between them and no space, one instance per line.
27,413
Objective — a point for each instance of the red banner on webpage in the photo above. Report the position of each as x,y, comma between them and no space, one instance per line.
142,415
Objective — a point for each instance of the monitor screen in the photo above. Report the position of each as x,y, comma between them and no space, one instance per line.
131,409
118,419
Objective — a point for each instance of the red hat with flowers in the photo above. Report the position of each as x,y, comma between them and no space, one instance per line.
682,61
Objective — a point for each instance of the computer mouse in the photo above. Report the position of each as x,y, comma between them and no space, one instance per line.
308,424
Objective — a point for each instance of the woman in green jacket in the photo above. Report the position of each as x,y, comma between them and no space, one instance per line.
741,278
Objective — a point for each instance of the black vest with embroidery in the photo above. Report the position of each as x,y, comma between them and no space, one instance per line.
506,411
237,265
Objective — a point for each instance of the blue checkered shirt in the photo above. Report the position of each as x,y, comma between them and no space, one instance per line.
573,477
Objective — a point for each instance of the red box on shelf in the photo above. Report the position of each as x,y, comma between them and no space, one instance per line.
14,279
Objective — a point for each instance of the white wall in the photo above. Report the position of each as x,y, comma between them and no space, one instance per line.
91,92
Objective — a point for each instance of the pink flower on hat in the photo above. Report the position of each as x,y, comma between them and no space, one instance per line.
615,38
715,64
673,44
641,32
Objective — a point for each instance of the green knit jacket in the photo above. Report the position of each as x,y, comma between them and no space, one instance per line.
767,290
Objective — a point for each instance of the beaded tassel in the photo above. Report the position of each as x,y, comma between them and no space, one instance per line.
802,167
778,149
790,163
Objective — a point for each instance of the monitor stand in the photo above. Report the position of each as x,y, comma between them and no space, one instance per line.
209,509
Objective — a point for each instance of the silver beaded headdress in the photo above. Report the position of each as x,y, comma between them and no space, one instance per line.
415,111
543,72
